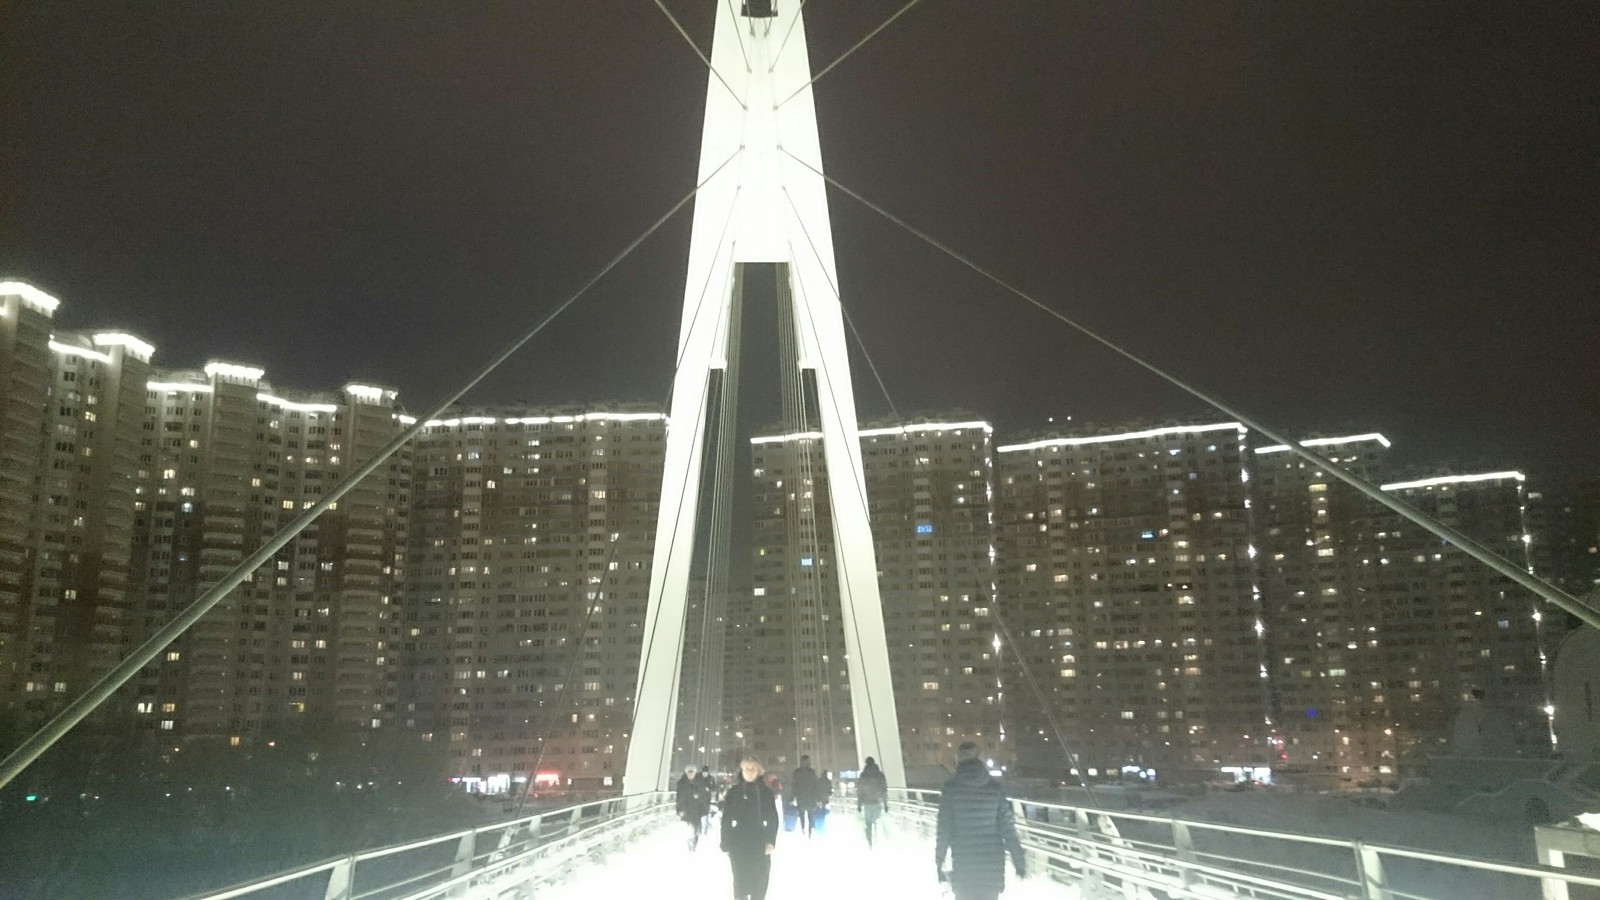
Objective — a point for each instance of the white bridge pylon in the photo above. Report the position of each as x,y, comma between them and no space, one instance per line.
762,200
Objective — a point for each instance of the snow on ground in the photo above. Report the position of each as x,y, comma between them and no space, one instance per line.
834,865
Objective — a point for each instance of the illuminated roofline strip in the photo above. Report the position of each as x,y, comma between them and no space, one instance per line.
297,407
1127,436
1328,442
119,339
189,386
891,431
1455,479
924,426
30,295
783,438
368,392
232,370
85,352
547,420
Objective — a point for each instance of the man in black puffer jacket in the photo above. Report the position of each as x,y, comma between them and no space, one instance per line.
977,829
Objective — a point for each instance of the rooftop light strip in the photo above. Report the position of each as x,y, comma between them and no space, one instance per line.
1126,436
191,387
367,392
30,295
1444,480
85,352
297,407
925,427
230,370
1329,442
547,420
783,438
118,339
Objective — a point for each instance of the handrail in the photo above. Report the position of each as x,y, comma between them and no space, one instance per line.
487,851
1083,843
1163,854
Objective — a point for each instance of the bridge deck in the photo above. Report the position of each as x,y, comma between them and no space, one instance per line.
835,864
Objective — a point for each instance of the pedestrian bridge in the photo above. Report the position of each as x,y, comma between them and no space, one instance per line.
635,846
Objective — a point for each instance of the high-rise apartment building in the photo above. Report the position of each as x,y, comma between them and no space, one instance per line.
1462,639
929,487
25,380
308,643
1182,598
1321,564
1126,568
1381,635
530,553
1193,601
79,617
74,414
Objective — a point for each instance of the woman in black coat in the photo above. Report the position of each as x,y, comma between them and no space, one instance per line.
749,830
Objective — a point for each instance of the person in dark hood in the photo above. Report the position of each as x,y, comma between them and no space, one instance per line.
872,792
689,792
976,829
749,830
805,790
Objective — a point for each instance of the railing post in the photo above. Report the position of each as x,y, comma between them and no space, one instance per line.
507,833
1369,869
1094,880
1183,843
463,864
573,820
530,867
1550,888
1019,813
342,880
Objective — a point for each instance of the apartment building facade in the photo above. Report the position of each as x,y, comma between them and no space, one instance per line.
308,642
530,549
1126,558
929,488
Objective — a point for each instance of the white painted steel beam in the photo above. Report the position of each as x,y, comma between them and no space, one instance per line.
764,202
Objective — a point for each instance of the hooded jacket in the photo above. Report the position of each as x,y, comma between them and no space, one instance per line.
872,786
977,829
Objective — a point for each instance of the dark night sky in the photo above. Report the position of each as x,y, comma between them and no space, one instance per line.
1335,215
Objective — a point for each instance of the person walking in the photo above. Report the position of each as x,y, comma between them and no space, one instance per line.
708,794
976,829
749,830
872,792
805,788
687,793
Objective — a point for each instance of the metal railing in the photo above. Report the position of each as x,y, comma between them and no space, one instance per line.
1137,855
1104,853
506,858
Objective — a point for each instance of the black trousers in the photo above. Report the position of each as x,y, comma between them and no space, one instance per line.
750,874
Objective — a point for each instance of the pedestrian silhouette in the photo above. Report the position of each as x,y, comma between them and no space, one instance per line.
976,829
872,792
749,830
